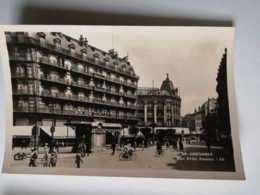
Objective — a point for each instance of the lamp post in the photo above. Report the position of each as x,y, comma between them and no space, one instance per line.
154,123
52,129
35,128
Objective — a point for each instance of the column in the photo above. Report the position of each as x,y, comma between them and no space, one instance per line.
155,112
164,113
172,116
145,113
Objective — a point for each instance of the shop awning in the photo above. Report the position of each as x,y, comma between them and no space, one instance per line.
22,131
60,132
178,130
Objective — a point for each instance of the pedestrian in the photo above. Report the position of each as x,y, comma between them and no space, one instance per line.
143,144
113,147
53,158
57,146
174,144
78,159
62,144
180,144
23,145
84,148
167,145
45,158
135,146
33,157
88,149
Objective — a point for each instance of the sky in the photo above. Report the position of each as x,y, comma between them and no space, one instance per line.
191,57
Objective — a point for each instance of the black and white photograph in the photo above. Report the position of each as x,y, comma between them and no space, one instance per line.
121,101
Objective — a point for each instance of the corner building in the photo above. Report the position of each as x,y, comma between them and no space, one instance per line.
159,106
59,80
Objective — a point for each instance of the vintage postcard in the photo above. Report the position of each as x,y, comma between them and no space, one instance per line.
124,101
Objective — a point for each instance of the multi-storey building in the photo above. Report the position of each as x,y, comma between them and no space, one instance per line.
196,122
223,105
159,106
57,79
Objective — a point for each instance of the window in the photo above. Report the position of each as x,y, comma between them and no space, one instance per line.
41,36
72,48
57,42
116,64
53,59
67,64
84,52
80,68
123,67
96,56
106,61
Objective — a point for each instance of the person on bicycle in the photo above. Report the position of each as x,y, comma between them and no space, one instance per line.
126,149
159,147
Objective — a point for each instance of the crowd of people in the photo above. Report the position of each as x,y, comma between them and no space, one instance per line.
50,157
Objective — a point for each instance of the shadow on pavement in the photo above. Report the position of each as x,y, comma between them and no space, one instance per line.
197,159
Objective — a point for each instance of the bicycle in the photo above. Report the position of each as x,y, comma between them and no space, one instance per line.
21,156
159,153
130,155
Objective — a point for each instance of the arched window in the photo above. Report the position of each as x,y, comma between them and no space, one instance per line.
67,64
53,59
80,67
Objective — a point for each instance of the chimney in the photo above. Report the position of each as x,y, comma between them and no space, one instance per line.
81,39
85,42
111,52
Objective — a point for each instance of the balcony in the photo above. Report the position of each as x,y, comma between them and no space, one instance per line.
99,76
160,116
130,95
112,92
54,79
99,89
115,80
21,58
26,76
38,110
22,92
159,107
99,101
46,60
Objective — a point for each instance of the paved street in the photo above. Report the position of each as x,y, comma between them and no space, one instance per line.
195,157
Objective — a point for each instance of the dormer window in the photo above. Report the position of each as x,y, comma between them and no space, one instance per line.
57,42
96,56
72,48
84,52
131,71
123,67
41,36
116,64
106,61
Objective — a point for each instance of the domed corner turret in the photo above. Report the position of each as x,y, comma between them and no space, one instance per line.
168,86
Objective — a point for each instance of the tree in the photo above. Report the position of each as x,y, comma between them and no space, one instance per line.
146,132
170,133
161,134
133,131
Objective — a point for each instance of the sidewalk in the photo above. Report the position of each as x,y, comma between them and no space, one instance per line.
196,157
66,152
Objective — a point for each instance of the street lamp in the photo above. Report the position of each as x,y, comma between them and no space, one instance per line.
154,123
35,128
52,129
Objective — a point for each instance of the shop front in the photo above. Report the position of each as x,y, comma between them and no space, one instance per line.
98,135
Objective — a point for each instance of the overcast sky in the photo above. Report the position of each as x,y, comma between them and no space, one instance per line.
191,57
